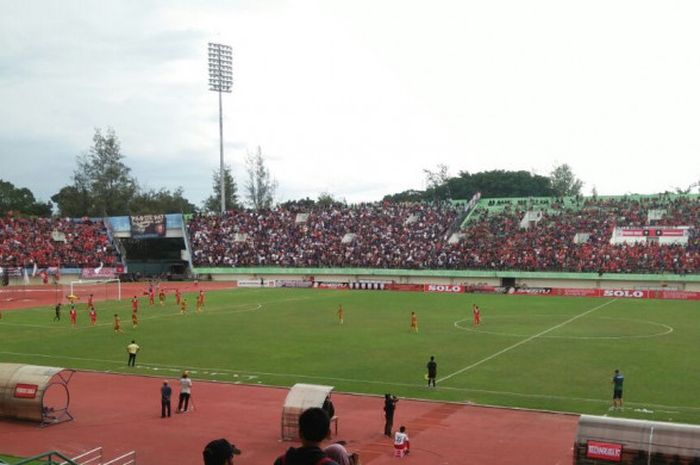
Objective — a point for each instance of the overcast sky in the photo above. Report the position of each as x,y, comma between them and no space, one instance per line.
355,97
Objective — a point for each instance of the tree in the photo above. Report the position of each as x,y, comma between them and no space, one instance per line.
72,201
102,183
162,201
326,199
564,182
261,187
213,202
437,182
21,200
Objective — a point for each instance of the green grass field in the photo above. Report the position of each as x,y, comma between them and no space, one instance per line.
534,352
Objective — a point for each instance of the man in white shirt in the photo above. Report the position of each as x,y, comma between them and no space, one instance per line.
185,390
132,349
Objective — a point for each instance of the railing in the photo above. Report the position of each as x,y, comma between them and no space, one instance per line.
49,459
127,459
91,456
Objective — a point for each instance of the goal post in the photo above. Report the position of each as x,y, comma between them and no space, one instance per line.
101,289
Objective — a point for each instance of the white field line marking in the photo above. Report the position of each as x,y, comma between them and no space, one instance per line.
667,330
359,381
524,341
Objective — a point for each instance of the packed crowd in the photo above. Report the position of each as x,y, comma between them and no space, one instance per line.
498,242
50,242
385,236
415,236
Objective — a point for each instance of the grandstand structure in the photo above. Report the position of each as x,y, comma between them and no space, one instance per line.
634,242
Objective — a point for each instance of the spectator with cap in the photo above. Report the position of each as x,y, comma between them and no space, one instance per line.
219,452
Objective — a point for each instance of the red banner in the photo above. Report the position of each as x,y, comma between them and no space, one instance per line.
449,288
26,391
405,287
604,451
576,292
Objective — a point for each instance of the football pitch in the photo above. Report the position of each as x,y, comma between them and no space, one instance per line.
544,353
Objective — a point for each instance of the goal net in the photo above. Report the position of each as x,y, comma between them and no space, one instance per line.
101,289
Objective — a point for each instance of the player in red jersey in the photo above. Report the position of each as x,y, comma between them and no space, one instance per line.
177,296
93,316
135,304
89,302
134,320
73,316
476,314
151,296
200,301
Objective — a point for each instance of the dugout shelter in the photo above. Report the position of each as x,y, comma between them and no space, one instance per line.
603,440
35,393
301,397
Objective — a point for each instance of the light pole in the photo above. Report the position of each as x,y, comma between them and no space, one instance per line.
221,80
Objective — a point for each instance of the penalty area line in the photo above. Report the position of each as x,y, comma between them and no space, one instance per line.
524,341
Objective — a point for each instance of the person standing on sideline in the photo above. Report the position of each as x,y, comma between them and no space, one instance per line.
185,391
165,393
314,427
219,452
57,309
432,371
414,322
132,349
389,409
402,445
617,381
341,314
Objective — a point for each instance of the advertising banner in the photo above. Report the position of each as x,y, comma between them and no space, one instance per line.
296,283
147,226
405,287
26,391
368,285
449,288
330,285
604,451
98,273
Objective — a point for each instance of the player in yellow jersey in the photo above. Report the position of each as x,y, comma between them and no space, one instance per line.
341,314
183,306
414,322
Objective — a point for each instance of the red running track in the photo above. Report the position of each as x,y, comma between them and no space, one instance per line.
122,413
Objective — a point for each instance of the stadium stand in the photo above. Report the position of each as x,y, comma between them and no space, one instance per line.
53,242
571,234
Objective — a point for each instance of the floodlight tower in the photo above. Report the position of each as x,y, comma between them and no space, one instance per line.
221,80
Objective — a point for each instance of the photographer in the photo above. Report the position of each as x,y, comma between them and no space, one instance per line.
390,402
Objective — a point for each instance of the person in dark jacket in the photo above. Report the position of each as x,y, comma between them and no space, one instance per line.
432,371
165,392
389,408
314,427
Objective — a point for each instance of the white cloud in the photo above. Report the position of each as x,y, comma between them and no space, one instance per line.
356,98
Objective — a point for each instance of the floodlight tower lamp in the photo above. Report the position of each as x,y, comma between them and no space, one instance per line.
221,80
